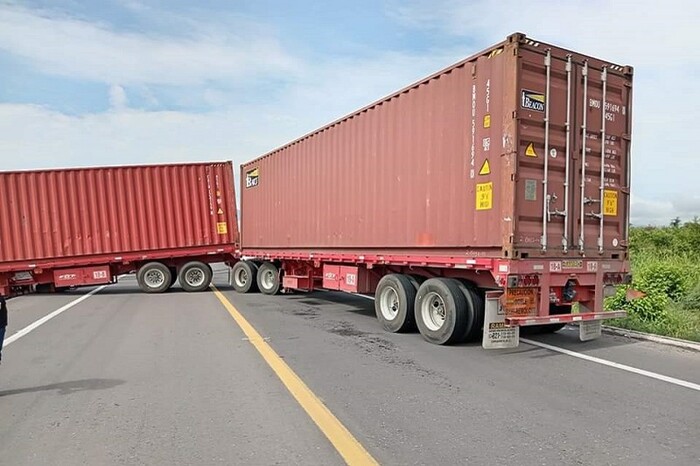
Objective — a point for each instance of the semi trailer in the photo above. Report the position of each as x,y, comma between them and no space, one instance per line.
86,226
489,196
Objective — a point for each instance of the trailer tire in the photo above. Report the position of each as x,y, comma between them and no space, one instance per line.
195,276
243,276
416,280
394,303
475,311
441,311
154,277
173,273
268,278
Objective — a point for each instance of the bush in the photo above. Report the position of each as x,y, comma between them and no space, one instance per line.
651,308
666,267
691,302
662,278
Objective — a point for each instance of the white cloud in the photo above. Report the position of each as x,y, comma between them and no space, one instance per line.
72,47
650,212
657,38
311,94
117,97
641,32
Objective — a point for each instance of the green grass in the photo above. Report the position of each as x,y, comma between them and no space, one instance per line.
679,323
666,267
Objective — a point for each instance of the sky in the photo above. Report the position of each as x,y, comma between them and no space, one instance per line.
110,82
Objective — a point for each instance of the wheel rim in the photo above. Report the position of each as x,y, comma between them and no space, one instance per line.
195,277
268,279
154,278
241,277
433,311
389,303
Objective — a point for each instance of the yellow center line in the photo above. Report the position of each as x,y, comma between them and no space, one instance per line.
344,442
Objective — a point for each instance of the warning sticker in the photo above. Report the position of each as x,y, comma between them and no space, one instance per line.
520,302
487,121
484,196
220,211
530,150
610,202
485,168
222,228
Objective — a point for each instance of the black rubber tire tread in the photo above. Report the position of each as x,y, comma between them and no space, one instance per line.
406,289
455,311
417,280
475,309
252,270
151,265
266,267
173,273
208,274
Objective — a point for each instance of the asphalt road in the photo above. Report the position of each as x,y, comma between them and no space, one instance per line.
128,378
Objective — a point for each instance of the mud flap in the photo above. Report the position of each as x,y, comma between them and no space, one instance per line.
590,330
497,334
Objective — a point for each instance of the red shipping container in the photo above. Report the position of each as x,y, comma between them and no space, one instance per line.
499,155
63,217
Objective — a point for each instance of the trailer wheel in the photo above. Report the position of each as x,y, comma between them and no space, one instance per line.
269,278
195,276
173,276
394,301
441,311
475,311
243,276
416,280
154,277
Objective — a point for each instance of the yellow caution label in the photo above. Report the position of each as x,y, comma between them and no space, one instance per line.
530,151
485,168
610,202
222,228
484,196
487,121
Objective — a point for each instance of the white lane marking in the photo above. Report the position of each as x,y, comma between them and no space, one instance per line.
364,296
46,318
605,362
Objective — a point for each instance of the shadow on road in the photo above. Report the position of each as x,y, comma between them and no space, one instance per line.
66,388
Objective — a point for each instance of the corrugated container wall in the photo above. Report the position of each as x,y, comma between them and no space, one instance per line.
80,212
459,161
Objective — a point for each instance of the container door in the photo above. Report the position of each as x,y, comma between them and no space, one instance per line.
601,160
568,203
543,172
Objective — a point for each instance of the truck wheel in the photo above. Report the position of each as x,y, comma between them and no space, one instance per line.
195,276
154,277
269,278
243,276
475,312
441,311
394,301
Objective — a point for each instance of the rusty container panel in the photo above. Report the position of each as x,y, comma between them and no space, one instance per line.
112,210
443,165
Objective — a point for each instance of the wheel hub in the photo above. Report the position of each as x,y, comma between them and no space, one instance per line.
433,311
